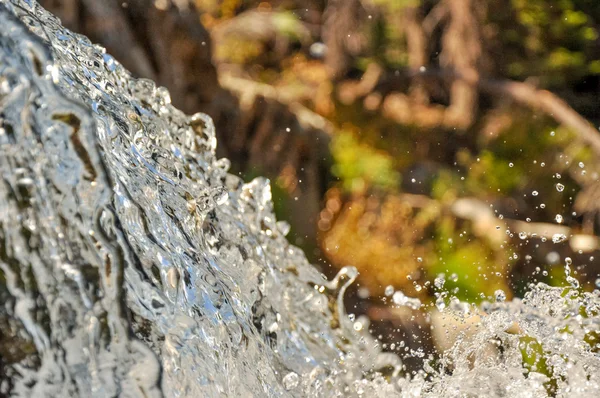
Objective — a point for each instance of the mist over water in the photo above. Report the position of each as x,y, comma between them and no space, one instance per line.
132,264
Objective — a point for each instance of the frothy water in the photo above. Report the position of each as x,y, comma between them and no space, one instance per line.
132,264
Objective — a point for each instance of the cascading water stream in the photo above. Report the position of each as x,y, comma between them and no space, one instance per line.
133,264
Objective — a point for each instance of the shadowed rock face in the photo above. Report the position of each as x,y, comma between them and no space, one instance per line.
133,264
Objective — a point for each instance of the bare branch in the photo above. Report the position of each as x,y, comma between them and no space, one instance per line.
526,94
433,19
548,103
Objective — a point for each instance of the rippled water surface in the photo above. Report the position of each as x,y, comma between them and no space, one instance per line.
132,264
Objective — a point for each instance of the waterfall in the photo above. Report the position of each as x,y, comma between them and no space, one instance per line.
133,264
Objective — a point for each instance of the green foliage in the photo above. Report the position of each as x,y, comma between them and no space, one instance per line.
534,360
396,5
469,265
555,40
360,166
490,173
447,184
288,24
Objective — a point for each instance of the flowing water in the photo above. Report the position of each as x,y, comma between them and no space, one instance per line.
132,264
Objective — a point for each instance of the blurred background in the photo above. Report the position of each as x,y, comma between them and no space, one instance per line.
445,148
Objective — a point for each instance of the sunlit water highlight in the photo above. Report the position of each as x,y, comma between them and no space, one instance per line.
132,264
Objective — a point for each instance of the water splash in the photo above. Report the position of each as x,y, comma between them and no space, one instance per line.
133,264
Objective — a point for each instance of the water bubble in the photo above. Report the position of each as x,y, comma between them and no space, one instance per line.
523,235
220,196
558,238
389,290
560,187
568,261
534,193
290,381
500,295
400,299
283,227
440,304
439,281
559,218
